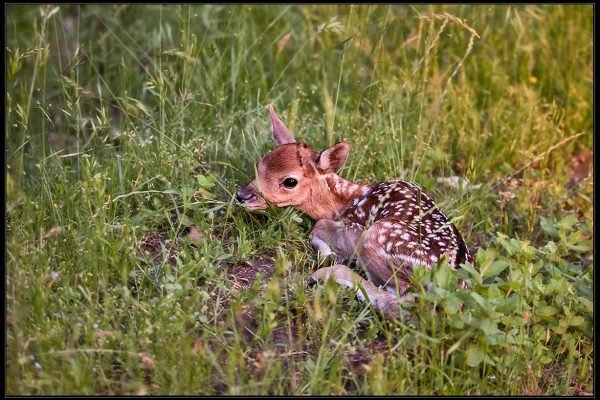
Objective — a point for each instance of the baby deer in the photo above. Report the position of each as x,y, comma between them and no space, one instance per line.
386,227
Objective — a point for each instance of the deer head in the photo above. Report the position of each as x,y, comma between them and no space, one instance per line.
294,174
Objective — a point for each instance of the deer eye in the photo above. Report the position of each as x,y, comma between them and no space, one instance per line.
290,183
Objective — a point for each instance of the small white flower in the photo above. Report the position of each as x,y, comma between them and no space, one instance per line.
37,365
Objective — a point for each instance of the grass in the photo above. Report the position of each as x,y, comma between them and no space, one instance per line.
130,269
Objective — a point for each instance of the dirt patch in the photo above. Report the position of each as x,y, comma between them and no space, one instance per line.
158,248
361,356
245,274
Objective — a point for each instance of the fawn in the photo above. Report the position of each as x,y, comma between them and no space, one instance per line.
386,227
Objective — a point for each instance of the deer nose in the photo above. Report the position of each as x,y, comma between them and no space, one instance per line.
243,196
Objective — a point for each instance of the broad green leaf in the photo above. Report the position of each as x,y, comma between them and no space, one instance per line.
494,293
508,305
487,255
567,222
577,321
553,270
207,182
589,306
550,247
488,360
481,301
452,304
547,359
456,322
516,281
545,311
516,244
475,354
585,289
504,242
548,227
580,248
489,327
472,271
494,269
442,275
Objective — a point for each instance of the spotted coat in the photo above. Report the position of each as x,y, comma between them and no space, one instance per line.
411,229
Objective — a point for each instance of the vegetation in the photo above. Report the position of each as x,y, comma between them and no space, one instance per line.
131,270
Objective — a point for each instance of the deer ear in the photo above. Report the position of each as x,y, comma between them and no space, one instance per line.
278,129
332,159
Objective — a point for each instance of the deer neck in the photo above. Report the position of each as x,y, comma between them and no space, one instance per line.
333,197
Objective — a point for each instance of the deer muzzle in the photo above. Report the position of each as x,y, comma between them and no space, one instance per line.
250,198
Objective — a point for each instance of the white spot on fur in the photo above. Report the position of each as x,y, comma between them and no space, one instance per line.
360,213
410,259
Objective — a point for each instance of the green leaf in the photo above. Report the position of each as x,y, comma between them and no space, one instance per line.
481,301
577,321
547,359
548,227
207,182
587,304
494,269
516,281
475,355
561,329
508,305
502,240
552,270
489,360
457,322
472,271
442,275
567,223
585,289
545,311
580,248
550,247
515,243
452,304
494,292
489,327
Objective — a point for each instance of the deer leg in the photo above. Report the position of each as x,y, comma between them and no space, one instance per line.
335,238
376,254
384,290
387,303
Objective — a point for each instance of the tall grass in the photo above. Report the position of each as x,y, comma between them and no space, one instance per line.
129,127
